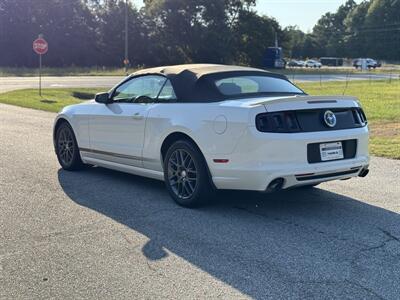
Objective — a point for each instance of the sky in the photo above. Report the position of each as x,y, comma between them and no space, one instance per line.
303,13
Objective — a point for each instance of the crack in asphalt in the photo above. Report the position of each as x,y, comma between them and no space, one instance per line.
46,238
308,228
389,234
365,289
382,245
390,237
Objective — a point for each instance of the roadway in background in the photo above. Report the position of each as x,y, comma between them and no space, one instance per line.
17,83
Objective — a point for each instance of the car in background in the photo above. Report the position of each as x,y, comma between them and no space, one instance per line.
295,63
331,61
203,127
312,64
369,63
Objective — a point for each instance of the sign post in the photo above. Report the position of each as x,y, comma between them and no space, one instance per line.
40,74
41,47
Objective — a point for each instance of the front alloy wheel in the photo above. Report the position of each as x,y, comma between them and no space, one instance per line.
66,145
67,148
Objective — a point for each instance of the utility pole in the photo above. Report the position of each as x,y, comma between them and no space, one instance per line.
126,60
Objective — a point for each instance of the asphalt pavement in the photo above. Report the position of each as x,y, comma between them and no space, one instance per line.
15,83
18,83
107,235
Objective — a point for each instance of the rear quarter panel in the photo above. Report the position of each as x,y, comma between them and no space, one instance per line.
215,127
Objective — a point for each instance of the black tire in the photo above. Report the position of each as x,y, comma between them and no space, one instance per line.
186,175
67,149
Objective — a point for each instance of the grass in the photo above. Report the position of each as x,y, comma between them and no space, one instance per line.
381,103
385,146
112,71
394,70
51,100
380,100
67,71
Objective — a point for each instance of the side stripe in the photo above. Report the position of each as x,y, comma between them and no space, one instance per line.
116,154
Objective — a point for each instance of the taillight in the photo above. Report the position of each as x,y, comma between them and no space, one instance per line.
362,115
359,116
282,122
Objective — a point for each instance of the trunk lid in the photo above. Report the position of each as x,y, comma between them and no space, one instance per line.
307,102
297,102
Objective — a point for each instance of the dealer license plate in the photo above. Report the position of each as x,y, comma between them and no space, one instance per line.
331,151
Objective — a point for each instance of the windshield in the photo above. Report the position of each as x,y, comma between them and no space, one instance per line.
244,85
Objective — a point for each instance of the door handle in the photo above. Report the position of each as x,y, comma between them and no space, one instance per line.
137,116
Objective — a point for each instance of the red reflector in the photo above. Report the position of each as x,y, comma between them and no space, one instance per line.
307,174
221,161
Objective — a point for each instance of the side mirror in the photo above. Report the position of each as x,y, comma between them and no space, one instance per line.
102,98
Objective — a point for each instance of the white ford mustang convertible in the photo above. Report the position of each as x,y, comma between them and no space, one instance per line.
206,127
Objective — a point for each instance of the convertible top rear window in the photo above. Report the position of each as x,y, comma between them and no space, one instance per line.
257,84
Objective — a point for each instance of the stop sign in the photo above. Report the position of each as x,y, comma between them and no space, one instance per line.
40,46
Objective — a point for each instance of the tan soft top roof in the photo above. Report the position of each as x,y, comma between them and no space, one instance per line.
198,69
194,82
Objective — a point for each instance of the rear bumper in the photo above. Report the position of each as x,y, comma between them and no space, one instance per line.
259,158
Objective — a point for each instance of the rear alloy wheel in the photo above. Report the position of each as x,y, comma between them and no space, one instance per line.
185,174
67,148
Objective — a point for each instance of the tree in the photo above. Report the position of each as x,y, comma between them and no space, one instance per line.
330,30
253,34
293,41
382,29
371,28
67,26
185,31
91,32
111,34
354,39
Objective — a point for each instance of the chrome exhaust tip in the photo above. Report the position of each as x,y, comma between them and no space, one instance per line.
275,185
363,173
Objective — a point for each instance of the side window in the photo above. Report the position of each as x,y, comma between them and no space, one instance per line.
141,86
128,91
167,93
152,85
